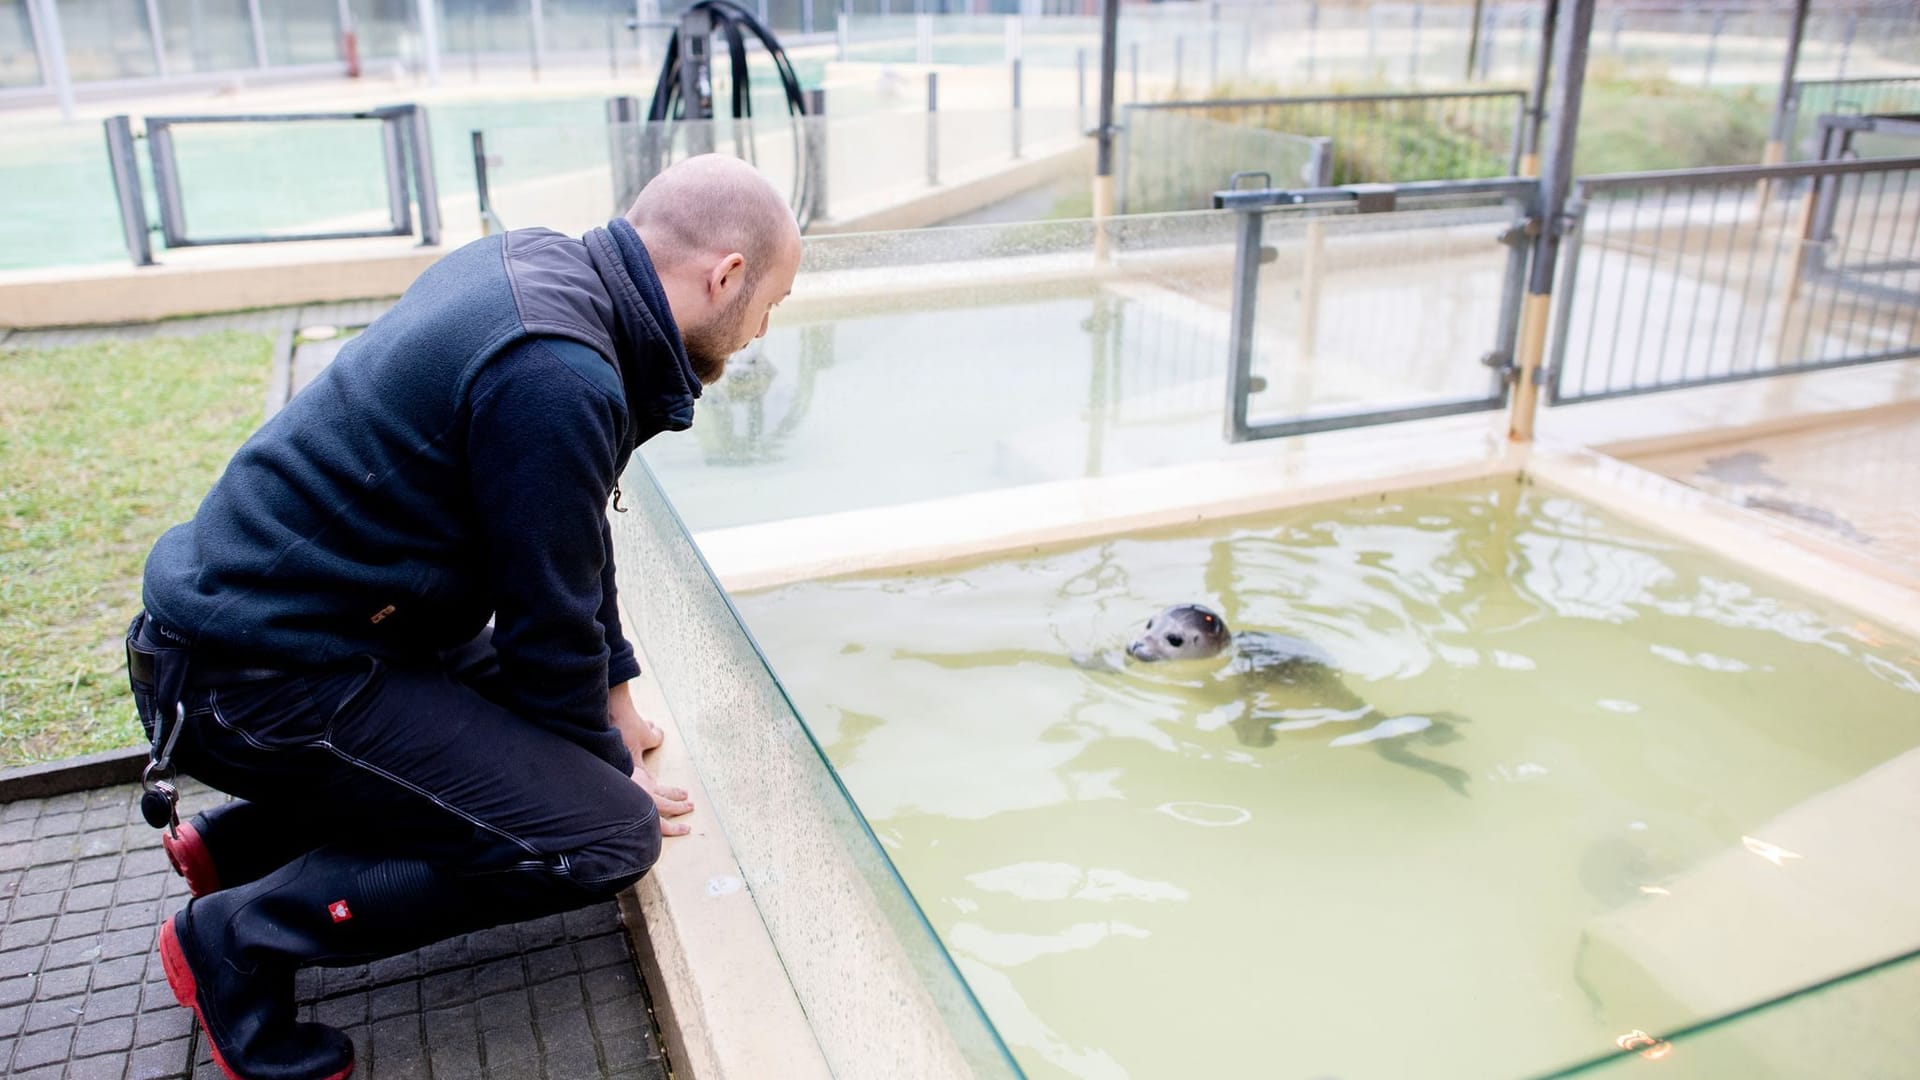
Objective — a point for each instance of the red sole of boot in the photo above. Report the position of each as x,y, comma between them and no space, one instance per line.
188,855
187,992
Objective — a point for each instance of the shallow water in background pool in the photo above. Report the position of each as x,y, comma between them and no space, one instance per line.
1133,888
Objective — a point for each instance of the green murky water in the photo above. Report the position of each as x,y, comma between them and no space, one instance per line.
1135,886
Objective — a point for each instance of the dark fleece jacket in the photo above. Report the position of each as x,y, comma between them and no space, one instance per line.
452,465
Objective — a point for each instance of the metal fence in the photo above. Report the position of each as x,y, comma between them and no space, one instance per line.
1376,138
1814,98
404,147
1707,276
1444,353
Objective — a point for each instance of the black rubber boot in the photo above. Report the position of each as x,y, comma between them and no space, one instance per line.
235,843
231,956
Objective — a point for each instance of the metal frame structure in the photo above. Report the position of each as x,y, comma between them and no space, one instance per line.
1823,181
1787,121
1838,129
407,151
1254,205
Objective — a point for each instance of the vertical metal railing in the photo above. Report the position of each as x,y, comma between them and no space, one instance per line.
1696,277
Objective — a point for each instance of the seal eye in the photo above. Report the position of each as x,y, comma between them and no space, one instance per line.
1149,624
1175,640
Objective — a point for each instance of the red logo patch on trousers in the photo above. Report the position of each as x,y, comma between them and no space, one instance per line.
339,910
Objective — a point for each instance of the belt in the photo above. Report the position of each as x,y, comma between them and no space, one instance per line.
202,671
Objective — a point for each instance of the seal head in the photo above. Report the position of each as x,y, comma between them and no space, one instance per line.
1181,632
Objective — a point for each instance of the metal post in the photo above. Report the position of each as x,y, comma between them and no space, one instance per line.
1134,56
1213,47
923,38
429,39
613,49
1179,62
624,130
196,36
1080,86
1536,117
159,41
1320,163
1313,34
166,184
1373,42
537,15
1846,44
1473,37
1016,108
426,188
1246,283
1713,46
1556,178
840,36
933,128
1413,53
487,217
53,53
1109,60
816,142
696,78
1492,35
1785,104
259,33
806,16
126,187
393,157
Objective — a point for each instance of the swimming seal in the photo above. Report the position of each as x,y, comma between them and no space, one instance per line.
1292,676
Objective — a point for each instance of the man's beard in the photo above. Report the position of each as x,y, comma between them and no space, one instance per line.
709,346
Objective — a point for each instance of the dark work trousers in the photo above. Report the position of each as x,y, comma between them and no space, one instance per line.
416,760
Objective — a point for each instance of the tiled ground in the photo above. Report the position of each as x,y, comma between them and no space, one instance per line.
1854,480
84,885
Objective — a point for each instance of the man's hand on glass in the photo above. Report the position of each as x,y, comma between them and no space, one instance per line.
641,736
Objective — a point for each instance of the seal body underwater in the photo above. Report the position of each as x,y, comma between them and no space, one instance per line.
1290,684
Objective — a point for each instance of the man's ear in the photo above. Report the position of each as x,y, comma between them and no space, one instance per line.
726,271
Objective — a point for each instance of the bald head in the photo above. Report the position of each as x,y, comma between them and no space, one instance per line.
726,247
707,206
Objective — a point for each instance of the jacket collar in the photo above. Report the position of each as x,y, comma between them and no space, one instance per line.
659,387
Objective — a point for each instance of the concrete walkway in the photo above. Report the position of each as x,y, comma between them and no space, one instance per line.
84,886
1853,482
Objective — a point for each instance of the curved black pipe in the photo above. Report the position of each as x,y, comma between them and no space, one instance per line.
735,23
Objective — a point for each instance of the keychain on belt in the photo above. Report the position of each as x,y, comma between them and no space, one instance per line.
159,798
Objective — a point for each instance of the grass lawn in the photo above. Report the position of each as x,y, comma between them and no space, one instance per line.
102,448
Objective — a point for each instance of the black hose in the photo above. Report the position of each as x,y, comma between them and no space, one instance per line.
734,22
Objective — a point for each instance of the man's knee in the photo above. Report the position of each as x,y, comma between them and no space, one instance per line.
618,858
